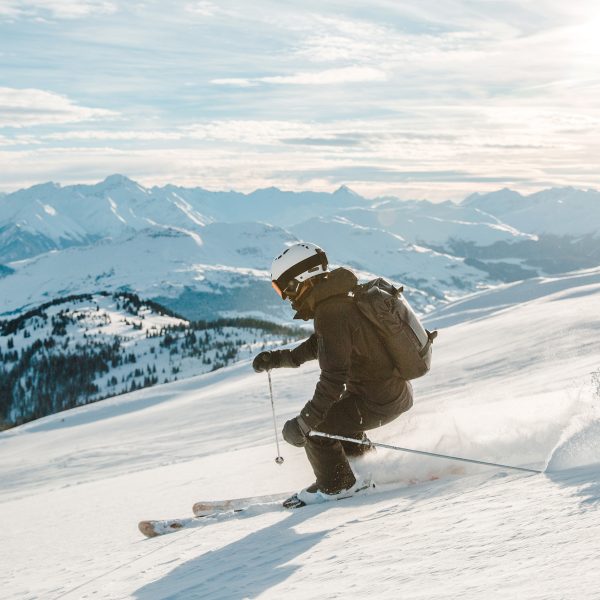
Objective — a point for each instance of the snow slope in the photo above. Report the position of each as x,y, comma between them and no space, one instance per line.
511,383
160,262
558,211
437,224
438,275
165,263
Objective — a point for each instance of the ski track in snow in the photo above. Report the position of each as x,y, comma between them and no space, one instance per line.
512,386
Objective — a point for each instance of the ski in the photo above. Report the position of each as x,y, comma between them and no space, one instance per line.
206,509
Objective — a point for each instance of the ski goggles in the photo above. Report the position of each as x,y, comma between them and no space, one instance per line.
277,289
290,291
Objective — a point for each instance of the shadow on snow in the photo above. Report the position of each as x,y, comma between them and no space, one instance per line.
244,568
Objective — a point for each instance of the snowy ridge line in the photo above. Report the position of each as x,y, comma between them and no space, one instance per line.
11,324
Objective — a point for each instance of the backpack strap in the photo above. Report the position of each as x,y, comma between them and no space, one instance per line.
397,291
431,335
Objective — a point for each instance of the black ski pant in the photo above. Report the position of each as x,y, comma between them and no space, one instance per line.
361,407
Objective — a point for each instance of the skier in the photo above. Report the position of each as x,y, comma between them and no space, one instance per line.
358,389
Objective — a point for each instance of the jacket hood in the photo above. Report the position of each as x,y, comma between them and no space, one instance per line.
335,283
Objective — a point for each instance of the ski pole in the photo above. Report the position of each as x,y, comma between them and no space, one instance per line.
422,452
279,459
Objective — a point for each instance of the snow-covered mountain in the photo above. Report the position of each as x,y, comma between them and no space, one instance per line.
430,275
269,205
423,222
515,379
207,254
224,268
81,349
47,217
557,211
161,263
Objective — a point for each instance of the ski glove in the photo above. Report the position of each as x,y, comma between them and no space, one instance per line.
265,361
295,431
273,359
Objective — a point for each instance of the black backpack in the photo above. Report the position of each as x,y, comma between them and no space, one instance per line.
407,342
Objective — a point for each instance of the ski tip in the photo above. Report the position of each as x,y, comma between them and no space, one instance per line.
147,528
198,507
204,509
154,528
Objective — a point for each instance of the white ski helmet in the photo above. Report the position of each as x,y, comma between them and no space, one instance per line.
296,264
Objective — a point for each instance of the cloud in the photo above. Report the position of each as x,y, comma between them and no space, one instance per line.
242,132
354,74
335,141
452,155
236,81
59,9
436,174
357,172
26,107
256,132
202,8
263,132
439,97
328,39
120,135
351,74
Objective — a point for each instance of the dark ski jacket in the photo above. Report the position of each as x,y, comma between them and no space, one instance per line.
351,356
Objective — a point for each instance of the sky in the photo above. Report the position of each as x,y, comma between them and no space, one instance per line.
425,99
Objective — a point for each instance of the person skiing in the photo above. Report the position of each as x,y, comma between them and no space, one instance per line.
359,387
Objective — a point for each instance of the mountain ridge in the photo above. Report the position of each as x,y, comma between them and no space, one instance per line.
487,239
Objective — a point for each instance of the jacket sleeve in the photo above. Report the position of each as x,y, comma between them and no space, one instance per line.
292,359
334,336
307,350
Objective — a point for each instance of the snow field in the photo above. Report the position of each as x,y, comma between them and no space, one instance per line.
514,385
579,443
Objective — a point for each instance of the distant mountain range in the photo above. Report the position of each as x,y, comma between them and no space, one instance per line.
207,254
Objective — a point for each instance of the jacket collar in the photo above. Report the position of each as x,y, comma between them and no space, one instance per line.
335,283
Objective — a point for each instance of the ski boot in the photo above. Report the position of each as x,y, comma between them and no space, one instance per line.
313,495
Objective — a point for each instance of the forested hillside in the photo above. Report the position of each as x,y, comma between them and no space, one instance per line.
80,349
